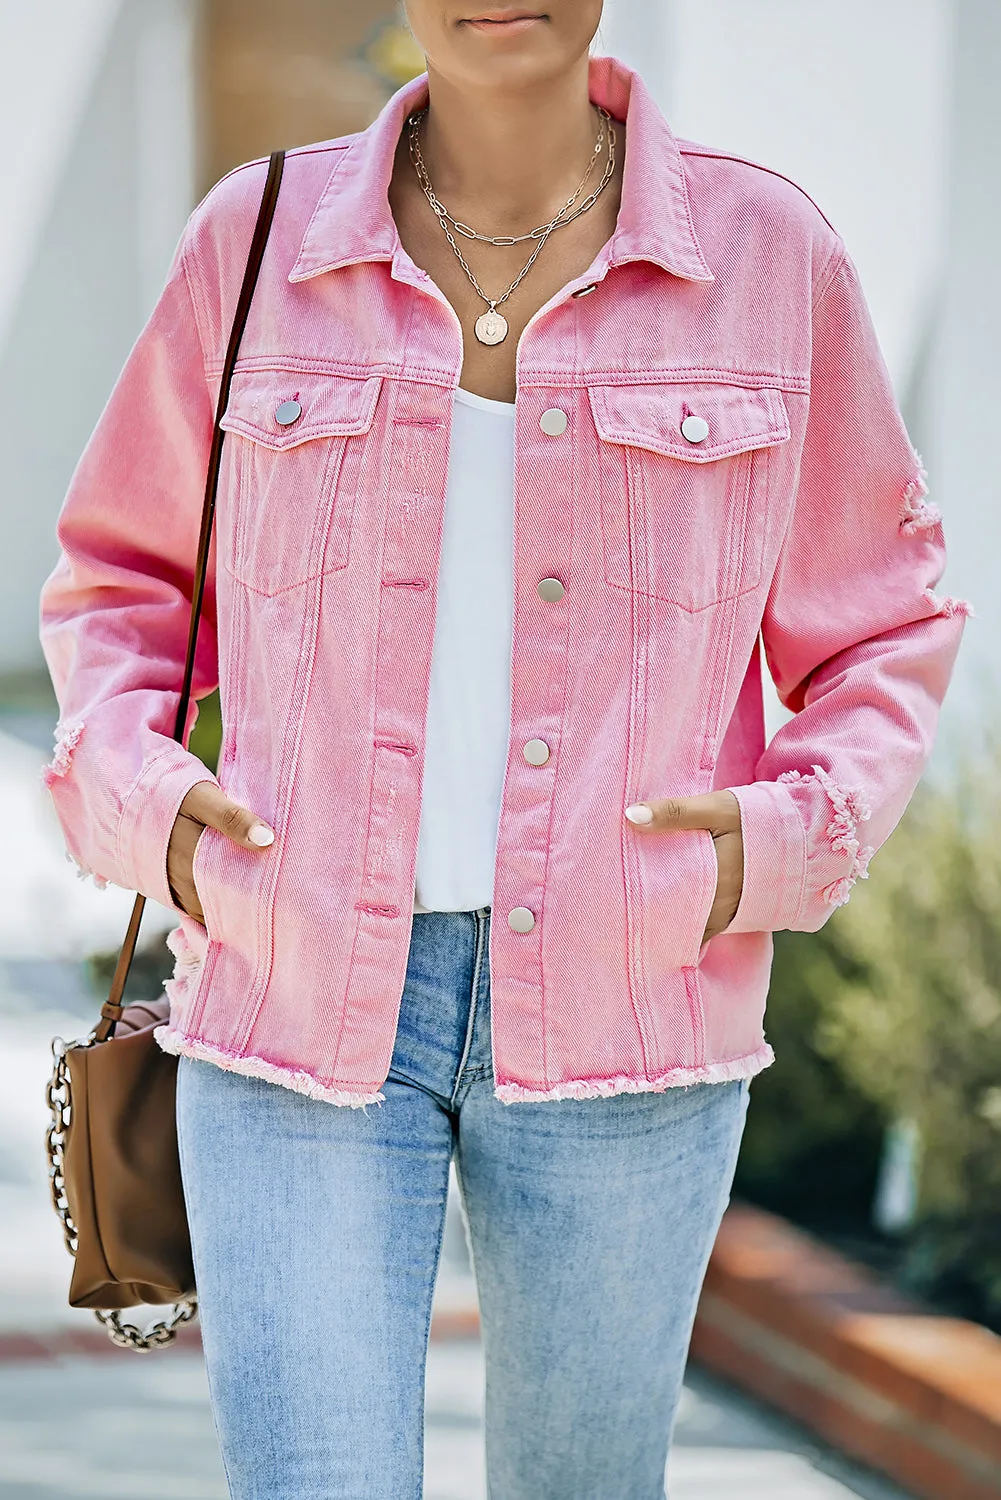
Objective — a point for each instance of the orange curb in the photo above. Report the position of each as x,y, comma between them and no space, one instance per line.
907,1391
90,1340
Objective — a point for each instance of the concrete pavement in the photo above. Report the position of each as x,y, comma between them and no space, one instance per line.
139,1428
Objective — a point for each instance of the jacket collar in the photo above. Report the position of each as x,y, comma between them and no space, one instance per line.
352,221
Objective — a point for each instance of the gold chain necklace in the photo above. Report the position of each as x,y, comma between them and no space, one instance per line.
500,239
491,327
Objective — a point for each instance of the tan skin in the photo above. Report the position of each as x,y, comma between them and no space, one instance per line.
507,137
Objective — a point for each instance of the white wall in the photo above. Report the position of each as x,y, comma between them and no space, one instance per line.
97,207
852,109
641,33
849,101
957,399
49,56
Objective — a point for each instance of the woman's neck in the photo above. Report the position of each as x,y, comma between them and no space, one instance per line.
507,161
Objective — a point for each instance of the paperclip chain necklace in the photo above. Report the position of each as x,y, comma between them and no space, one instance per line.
502,239
491,327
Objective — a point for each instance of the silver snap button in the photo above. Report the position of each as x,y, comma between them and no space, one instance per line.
551,590
554,422
536,752
695,429
520,919
287,413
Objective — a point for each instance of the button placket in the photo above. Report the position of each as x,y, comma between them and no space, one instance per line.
554,422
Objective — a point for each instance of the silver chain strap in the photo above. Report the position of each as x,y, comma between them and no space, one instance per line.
156,1335
57,1095
545,231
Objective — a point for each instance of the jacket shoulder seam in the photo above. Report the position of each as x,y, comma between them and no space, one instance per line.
837,256
340,144
189,266
189,287
690,148
837,259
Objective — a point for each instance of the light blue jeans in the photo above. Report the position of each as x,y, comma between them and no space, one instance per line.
317,1230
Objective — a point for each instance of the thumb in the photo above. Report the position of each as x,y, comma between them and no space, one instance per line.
716,812
209,804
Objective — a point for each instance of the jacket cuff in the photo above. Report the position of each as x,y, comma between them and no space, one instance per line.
774,858
148,819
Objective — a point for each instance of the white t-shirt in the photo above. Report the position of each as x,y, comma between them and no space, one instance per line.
469,708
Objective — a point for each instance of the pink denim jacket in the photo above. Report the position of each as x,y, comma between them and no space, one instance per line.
792,511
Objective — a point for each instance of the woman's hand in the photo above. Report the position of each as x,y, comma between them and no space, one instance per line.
206,806
719,814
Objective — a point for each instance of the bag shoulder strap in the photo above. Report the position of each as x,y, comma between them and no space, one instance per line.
112,1008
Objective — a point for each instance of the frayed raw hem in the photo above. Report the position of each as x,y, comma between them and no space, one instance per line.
188,959
67,740
839,891
602,1088
850,809
82,873
179,1045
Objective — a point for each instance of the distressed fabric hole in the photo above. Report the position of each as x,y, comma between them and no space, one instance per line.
944,604
917,514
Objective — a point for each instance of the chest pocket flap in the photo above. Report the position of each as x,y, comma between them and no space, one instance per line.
684,486
262,406
292,474
734,418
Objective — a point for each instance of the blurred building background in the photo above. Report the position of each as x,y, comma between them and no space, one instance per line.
125,111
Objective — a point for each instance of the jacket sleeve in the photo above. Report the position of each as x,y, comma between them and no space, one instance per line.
858,644
115,610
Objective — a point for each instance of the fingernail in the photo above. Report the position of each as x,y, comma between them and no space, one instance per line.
261,836
639,813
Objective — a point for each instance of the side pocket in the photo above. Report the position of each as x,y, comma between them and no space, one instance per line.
230,881
202,879
679,876
711,887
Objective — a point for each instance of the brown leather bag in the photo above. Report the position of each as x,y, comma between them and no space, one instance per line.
112,1144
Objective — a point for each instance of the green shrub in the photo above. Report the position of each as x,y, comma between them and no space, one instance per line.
206,736
893,1011
812,1145
919,1029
